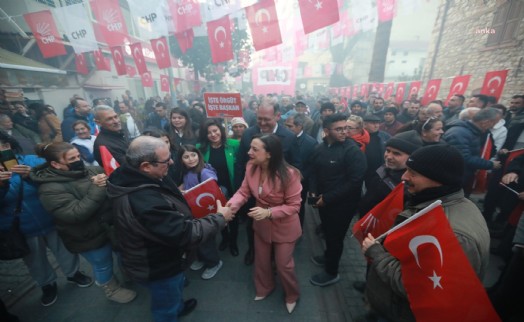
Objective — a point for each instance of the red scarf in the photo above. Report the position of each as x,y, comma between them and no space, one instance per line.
362,139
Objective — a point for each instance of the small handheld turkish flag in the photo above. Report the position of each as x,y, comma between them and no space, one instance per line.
108,161
494,83
203,197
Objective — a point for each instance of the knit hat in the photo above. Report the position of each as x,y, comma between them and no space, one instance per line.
391,110
405,146
441,163
371,118
239,120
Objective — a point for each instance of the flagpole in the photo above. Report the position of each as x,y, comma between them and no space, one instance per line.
410,219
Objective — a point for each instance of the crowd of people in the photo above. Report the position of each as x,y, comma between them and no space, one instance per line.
341,157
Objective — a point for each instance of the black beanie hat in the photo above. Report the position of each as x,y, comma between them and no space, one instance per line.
391,110
402,145
441,163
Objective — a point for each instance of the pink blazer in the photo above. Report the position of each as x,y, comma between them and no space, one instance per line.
284,203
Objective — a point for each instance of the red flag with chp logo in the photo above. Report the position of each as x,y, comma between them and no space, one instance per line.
111,22
45,32
203,197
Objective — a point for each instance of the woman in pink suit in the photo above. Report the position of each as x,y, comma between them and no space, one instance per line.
276,187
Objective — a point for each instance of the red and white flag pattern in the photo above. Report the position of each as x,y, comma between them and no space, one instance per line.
387,9
147,79
161,50
414,88
263,22
440,283
185,39
458,86
118,58
138,56
364,89
108,161
220,42
318,14
494,83
131,71
185,13
164,83
390,87
101,62
203,197
81,65
45,32
432,88
111,21
401,92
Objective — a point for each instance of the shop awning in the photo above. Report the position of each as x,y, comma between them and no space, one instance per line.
10,60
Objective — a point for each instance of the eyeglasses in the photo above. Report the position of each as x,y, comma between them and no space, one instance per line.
341,129
162,162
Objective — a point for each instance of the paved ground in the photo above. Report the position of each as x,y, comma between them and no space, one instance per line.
227,297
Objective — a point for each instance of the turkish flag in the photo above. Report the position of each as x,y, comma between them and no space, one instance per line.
458,86
387,9
161,50
177,81
511,156
100,61
185,39
481,177
440,283
263,22
111,21
414,87
147,79
185,13
118,58
494,83
81,65
380,89
164,83
355,92
45,32
219,35
318,14
382,217
203,197
401,92
131,71
138,56
389,90
108,161
364,88
431,92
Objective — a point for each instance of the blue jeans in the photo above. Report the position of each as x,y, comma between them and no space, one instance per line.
166,298
101,259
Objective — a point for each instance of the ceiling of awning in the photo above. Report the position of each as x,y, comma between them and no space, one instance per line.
11,60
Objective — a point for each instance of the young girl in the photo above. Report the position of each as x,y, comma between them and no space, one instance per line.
194,172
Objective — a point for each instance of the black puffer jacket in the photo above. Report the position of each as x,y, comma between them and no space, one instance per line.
155,231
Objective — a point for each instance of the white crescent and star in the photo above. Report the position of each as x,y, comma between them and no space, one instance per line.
413,90
258,18
499,81
218,30
431,93
158,45
117,56
136,53
427,239
146,76
457,88
202,195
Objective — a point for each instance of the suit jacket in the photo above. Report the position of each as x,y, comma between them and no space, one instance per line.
303,148
283,201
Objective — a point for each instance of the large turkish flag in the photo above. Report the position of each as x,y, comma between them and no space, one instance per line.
414,88
147,79
318,14
81,65
382,217
118,58
263,22
401,92
138,56
161,50
101,62
494,83
458,86
45,32
220,42
203,197
431,92
185,39
440,283
389,90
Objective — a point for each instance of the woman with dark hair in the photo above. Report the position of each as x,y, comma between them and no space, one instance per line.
220,152
48,122
424,133
35,222
180,129
276,187
76,197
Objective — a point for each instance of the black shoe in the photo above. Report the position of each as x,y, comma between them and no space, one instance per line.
189,306
233,248
359,286
80,280
318,260
223,244
249,258
49,294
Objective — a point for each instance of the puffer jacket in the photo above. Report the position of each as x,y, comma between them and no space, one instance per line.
80,208
155,230
34,219
385,291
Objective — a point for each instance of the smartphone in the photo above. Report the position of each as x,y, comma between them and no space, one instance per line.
312,200
8,159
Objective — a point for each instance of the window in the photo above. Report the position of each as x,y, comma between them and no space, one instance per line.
50,3
70,2
505,22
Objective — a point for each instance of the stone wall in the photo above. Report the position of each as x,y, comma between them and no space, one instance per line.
463,49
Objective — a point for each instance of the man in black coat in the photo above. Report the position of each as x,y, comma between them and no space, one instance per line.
111,135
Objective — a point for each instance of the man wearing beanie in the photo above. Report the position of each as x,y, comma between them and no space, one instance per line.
433,173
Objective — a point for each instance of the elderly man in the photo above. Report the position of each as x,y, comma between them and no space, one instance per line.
433,173
157,234
25,137
466,137
111,134
455,106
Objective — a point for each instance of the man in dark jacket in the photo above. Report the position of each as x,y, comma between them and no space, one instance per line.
81,112
111,135
157,234
157,119
337,169
376,147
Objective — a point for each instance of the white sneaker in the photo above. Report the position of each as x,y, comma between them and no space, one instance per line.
209,273
196,266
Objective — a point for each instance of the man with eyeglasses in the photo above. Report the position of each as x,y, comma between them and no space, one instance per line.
337,167
157,234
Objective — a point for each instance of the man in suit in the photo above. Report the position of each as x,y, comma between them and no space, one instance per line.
268,115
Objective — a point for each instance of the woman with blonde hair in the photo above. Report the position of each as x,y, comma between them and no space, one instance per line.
357,132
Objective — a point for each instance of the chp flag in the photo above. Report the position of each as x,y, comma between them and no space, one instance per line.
111,21
45,32
440,283
108,161
494,83
77,25
382,217
203,197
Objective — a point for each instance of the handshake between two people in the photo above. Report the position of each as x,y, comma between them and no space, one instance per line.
257,213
